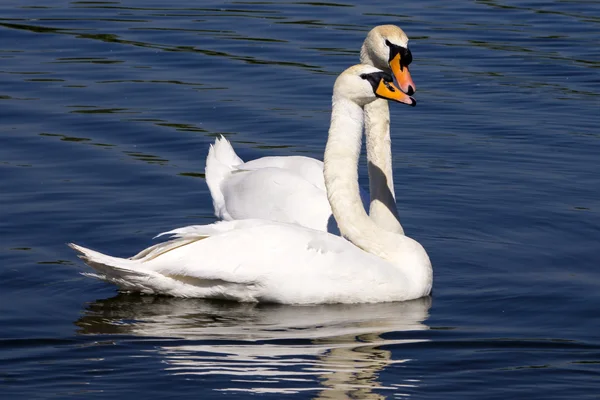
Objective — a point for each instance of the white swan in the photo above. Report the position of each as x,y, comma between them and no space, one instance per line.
291,188
260,260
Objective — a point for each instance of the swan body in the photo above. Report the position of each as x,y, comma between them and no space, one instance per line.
291,188
269,261
287,189
257,261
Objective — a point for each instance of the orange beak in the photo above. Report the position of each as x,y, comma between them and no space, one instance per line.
402,75
389,91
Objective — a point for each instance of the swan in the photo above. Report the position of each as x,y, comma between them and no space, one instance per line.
291,188
257,260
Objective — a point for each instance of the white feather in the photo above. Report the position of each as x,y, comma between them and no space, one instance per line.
257,261
260,260
292,189
286,189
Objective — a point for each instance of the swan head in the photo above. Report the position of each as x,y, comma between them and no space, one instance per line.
386,47
363,84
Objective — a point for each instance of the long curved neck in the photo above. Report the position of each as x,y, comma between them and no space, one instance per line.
341,178
383,209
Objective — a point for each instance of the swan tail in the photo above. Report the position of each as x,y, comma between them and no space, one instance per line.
129,276
220,163
118,271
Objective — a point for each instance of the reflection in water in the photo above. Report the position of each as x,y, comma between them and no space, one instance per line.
261,347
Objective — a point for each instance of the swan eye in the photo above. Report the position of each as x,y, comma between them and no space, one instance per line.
406,56
377,78
404,52
373,78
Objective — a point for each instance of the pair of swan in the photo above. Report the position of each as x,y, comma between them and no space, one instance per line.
292,189
266,260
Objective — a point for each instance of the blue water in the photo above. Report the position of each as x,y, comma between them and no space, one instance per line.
107,109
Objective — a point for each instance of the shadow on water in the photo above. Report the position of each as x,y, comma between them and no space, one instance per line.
267,347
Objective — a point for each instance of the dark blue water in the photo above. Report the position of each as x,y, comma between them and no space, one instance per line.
107,109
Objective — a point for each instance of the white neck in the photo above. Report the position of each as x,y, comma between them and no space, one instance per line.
383,209
341,180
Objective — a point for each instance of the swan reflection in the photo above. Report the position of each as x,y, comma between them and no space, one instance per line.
336,351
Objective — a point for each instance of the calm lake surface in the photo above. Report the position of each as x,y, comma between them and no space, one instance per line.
107,109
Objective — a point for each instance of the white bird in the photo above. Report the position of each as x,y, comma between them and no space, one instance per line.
267,261
291,188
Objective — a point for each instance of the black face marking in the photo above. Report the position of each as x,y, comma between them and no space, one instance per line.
405,54
375,78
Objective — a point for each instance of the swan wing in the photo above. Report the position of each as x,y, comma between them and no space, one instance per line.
307,168
254,260
287,189
276,194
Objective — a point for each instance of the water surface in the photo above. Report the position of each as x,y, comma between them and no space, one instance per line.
107,109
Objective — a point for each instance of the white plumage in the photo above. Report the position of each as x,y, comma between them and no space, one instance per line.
291,188
255,261
269,261
286,189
